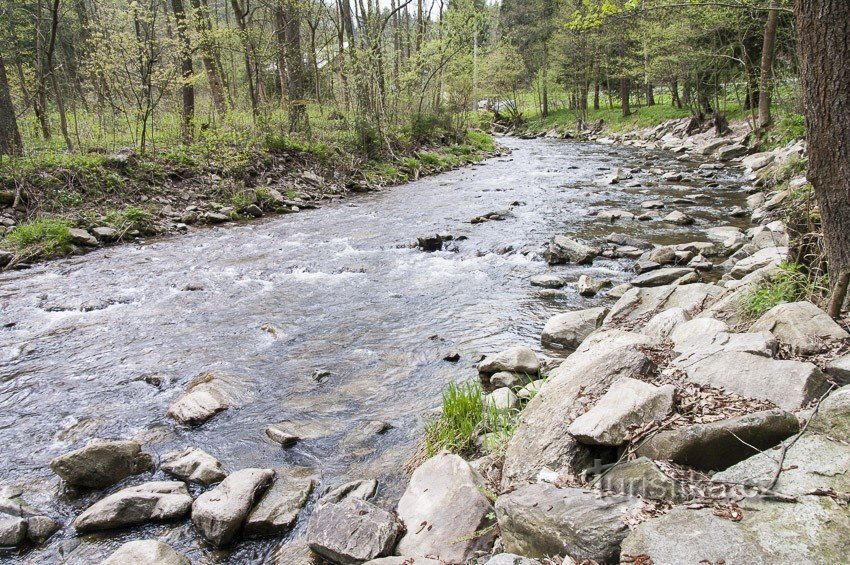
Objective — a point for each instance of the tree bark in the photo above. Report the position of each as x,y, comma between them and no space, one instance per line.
54,81
10,136
187,89
768,53
824,40
211,68
624,96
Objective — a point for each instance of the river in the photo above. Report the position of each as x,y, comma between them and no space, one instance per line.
343,292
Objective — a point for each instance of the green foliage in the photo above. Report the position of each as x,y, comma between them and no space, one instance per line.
130,218
790,284
789,127
481,141
42,236
429,159
463,418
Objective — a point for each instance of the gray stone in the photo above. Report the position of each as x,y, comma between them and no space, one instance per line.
547,281
700,263
637,303
662,324
802,325
278,509
757,343
642,477
729,152
718,445
788,384
618,291
661,277
443,507
105,233
696,333
150,502
678,218
194,465
511,559
281,435
629,402
406,560
507,379
761,258
569,329
82,237
13,531
363,489
41,528
298,554
206,395
351,531
219,513
541,438
540,520
722,234
652,204
517,359
833,417
813,531
530,390
588,286
565,250
101,463
254,211
215,217
627,240
146,552
812,462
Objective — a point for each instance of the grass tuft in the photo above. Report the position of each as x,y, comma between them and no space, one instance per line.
42,236
790,284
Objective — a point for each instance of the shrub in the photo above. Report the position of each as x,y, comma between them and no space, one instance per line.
43,236
790,284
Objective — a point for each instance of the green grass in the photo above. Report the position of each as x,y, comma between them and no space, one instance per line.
42,236
465,417
791,284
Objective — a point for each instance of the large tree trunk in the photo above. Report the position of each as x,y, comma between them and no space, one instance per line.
767,55
822,32
54,80
187,89
211,67
10,136
624,96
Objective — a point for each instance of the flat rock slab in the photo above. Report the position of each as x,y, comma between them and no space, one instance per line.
278,509
569,329
833,417
788,384
629,402
151,502
351,531
101,463
219,513
517,359
813,531
562,250
206,395
759,259
146,552
659,277
541,520
638,303
812,462
442,507
696,333
719,445
192,464
802,325
662,324
363,489
642,477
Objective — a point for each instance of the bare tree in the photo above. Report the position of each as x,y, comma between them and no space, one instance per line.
10,136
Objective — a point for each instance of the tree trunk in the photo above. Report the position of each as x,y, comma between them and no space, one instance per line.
675,101
187,89
624,96
10,136
767,55
211,68
248,54
596,95
40,102
54,81
822,32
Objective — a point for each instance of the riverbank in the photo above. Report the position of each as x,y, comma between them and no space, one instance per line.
63,206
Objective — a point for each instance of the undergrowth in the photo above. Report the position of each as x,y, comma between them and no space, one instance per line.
42,236
790,284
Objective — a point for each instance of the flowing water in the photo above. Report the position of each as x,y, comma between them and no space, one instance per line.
341,290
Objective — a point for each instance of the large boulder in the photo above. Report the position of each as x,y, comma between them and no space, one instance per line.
696,333
13,531
517,359
296,554
639,303
206,395
802,325
101,463
839,369
833,417
541,438
278,509
720,444
642,477
150,502
351,531
788,384
146,552
629,402
662,324
442,508
812,462
769,256
541,520
757,343
192,464
219,513
812,531
569,329
565,250
659,277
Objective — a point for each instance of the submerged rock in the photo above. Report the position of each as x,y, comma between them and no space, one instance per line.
206,395
146,552
352,531
41,528
565,250
442,508
193,464
13,531
150,502
219,513
540,520
102,463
